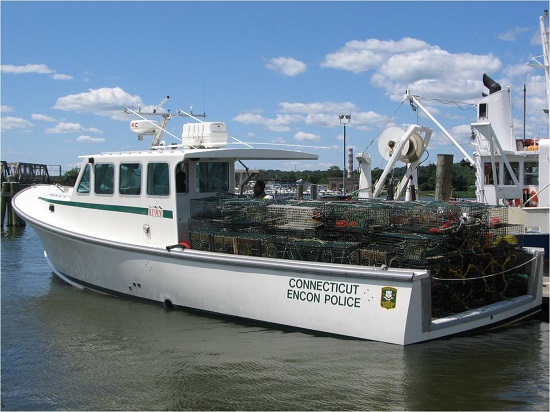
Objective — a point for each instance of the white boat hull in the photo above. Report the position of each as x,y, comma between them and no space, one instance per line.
343,300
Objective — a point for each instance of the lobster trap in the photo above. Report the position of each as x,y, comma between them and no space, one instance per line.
229,212
247,244
299,220
317,250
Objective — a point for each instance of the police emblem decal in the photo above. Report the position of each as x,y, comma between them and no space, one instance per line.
389,298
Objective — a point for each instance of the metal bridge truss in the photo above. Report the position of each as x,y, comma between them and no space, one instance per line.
25,173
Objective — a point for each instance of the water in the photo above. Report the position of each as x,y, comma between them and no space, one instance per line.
64,348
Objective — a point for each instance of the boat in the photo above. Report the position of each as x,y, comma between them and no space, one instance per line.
510,171
164,225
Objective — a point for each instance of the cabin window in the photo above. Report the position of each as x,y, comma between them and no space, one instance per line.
104,175
84,184
130,179
531,173
483,111
211,177
181,178
488,172
507,177
157,179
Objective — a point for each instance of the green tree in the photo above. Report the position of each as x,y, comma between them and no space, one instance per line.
69,178
334,171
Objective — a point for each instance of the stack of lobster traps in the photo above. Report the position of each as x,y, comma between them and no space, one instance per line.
462,244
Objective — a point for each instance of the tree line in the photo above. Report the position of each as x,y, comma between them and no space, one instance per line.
463,176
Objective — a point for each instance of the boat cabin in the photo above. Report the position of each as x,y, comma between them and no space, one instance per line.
151,191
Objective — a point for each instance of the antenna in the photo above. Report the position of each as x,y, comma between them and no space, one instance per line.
160,104
203,115
191,115
147,127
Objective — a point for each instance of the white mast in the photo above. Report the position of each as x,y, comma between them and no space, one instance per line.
545,55
545,51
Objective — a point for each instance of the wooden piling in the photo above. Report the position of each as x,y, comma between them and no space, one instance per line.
300,191
6,200
443,177
313,189
8,215
14,217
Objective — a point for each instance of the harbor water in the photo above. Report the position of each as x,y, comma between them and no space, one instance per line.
69,349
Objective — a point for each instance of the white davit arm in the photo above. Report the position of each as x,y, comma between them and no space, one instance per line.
413,99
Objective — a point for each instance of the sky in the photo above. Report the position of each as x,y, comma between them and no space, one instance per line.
276,73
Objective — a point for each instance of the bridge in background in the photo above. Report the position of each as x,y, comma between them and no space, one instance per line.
26,173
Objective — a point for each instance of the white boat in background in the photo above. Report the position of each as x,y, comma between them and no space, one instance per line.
163,225
510,171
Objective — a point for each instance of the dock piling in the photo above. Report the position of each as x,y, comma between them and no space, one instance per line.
8,215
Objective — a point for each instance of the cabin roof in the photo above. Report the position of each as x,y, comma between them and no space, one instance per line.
220,154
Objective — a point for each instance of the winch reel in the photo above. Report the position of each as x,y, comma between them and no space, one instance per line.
411,143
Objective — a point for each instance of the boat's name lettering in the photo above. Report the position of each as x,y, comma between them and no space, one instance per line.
329,293
155,211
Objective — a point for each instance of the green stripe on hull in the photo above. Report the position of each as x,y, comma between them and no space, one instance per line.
167,214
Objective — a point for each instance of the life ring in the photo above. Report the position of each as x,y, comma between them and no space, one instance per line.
534,198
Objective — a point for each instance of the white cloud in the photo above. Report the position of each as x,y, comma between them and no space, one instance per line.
33,68
327,119
436,64
9,123
520,70
462,134
6,109
368,118
320,114
287,66
512,34
436,73
358,56
64,128
42,117
28,68
411,64
307,136
89,139
279,124
317,107
325,114
104,101
59,76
